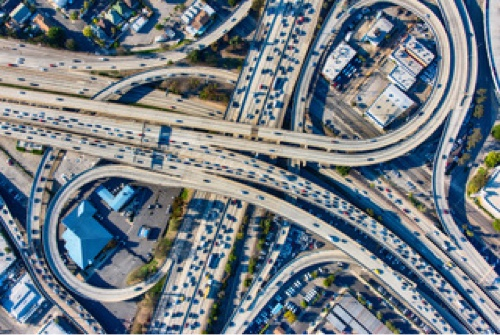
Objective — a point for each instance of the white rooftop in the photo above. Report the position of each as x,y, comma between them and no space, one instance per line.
23,299
418,51
402,58
379,31
52,327
492,12
337,60
391,103
402,78
490,196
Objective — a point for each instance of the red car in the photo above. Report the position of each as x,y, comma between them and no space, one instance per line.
12,65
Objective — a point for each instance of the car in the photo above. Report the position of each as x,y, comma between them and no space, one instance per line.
52,65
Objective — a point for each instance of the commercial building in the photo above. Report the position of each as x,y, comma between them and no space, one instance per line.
391,103
52,327
402,78
116,202
403,59
23,299
197,18
84,236
379,31
418,51
351,316
489,195
7,256
20,14
338,60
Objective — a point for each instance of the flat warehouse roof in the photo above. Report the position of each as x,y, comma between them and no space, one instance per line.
337,60
391,103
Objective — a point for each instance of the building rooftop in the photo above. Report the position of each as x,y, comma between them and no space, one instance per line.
491,12
196,17
113,16
116,202
403,59
84,237
23,299
122,9
380,29
418,51
7,256
139,23
350,312
490,195
52,327
20,14
402,78
337,60
391,103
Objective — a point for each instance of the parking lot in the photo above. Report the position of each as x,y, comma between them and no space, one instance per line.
152,205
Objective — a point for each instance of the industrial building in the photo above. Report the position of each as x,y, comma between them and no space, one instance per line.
84,236
197,18
338,60
402,78
116,202
379,31
403,59
52,327
352,317
418,51
23,299
7,257
391,103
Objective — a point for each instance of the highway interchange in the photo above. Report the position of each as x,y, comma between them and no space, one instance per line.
193,158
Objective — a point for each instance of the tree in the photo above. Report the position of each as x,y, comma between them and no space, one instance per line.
492,159
86,5
87,31
159,26
314,274
379,315
478,181
70,44
304,304
370,212
465,157
56,36
232,3
478,111
73,15
496,224
343,170
496,132
194,56
474,138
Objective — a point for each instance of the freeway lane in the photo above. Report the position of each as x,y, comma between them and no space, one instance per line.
37,56
297,189
222,186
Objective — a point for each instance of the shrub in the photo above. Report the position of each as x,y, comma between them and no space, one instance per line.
495,132
492,159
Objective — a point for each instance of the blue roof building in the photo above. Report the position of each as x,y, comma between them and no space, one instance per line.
84,237
20,14
23,299
116,202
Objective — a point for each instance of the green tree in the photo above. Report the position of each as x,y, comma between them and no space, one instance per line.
314,274
159,26
477,181
496,224
492,159
478,111
379,315
343,170
87,31
474,138
73,15
86,5
496,132
56,36
232,3
70,44
194,56
304,304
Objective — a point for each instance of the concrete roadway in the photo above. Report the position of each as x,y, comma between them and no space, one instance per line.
319,150
121,87
295,189
38,56
492,33
86,86
476,264
235,190
238,325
